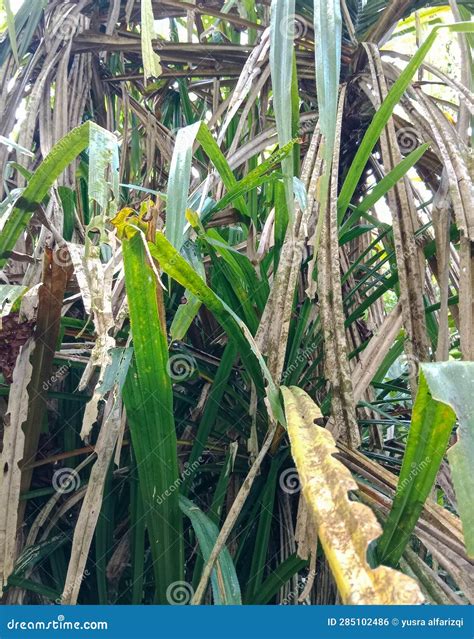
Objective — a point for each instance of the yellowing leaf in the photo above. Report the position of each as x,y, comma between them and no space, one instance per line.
151,60
193,218
345,528
122,219
127,221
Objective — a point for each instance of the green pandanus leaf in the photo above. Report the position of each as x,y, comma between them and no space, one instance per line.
148,397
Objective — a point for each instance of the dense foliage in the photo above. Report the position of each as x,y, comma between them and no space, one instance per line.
237,302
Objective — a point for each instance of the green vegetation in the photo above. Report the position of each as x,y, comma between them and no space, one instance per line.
237,327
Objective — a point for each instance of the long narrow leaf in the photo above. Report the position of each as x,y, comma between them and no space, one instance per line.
151,60
148,397
177,267
386,183
12,30
225,584
180,175
385,111
62,154
282,30
430,429
327,31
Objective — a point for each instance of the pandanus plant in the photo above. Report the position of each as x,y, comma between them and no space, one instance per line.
237,302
